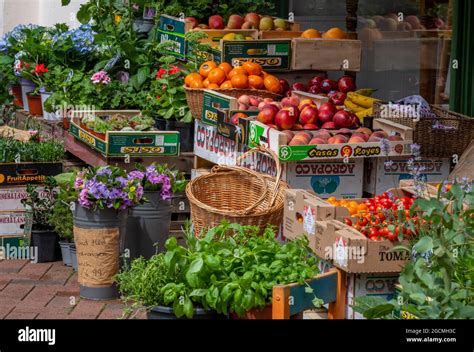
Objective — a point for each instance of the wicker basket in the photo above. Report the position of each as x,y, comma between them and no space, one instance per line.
237,194
436,141
195,97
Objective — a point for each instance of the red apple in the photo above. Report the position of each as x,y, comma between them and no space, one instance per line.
284,85
355,120
193,21
329,125
315,81
243,107
289,93
327,85
318,141
254,101
216,22
309,115
284,120
244,99
380,134
272,107
290,101
310,126
304,135
235,22
338,98
315,90
267,115
294,112
342,119
299,86
253,18
330,107
297,126
346,84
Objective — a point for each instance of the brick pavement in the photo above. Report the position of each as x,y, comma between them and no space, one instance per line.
49,291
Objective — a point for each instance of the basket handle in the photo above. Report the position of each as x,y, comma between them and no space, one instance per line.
225,168
271,153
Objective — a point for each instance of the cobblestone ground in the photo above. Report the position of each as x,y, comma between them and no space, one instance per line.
49,291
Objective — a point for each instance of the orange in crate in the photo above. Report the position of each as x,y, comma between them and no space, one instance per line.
240,81
216,76
207,67
239,70
252,68
256,82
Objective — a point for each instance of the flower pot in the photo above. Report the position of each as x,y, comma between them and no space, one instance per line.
47,243
72,253
98,237
66,252
160,124
27,86
167,313
16,92
186,134
47,115
34,105
148,226
142,26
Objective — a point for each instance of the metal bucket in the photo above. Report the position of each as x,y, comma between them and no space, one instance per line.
148,227
66,252
100,219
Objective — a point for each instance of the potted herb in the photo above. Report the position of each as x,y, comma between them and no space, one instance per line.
61,217
104,195
230,270
149,223
38,207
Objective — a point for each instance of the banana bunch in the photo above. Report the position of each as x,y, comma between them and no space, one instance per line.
360,102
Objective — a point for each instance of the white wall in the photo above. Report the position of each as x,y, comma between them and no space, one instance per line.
42,12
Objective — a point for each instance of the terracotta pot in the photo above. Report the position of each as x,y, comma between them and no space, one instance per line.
16,92
261,314
34,105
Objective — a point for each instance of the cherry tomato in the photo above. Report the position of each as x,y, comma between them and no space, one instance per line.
381,217
362,222
373,232
383,232
391,236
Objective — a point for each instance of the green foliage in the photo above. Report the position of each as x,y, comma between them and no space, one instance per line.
12,150
40,205
438,282
231,269
61,216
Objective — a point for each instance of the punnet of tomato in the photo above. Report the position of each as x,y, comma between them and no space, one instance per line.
384,216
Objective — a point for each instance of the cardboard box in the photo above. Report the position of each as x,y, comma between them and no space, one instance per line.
213,147
326,54
15,174
173,29
373,285
379,176
11,223
239,132
327,179
271,54
213,102
122,143
10,198
261,134
341,245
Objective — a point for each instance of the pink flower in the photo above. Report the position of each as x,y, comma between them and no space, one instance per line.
160,73
100,77
173,70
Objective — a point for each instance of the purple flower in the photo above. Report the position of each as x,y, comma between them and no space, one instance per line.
83,199
123,77
122,180
104,171
136,175
78,183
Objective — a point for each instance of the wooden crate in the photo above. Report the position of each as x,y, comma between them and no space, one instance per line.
279,34
326,55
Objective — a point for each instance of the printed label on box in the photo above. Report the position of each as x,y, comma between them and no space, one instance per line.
340,252
308,220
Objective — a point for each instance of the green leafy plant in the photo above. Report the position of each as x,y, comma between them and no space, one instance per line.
438,282
231,269
61,216
12,150
40,205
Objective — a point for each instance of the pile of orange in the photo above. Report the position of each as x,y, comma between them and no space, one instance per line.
248,76
354,208
333,33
